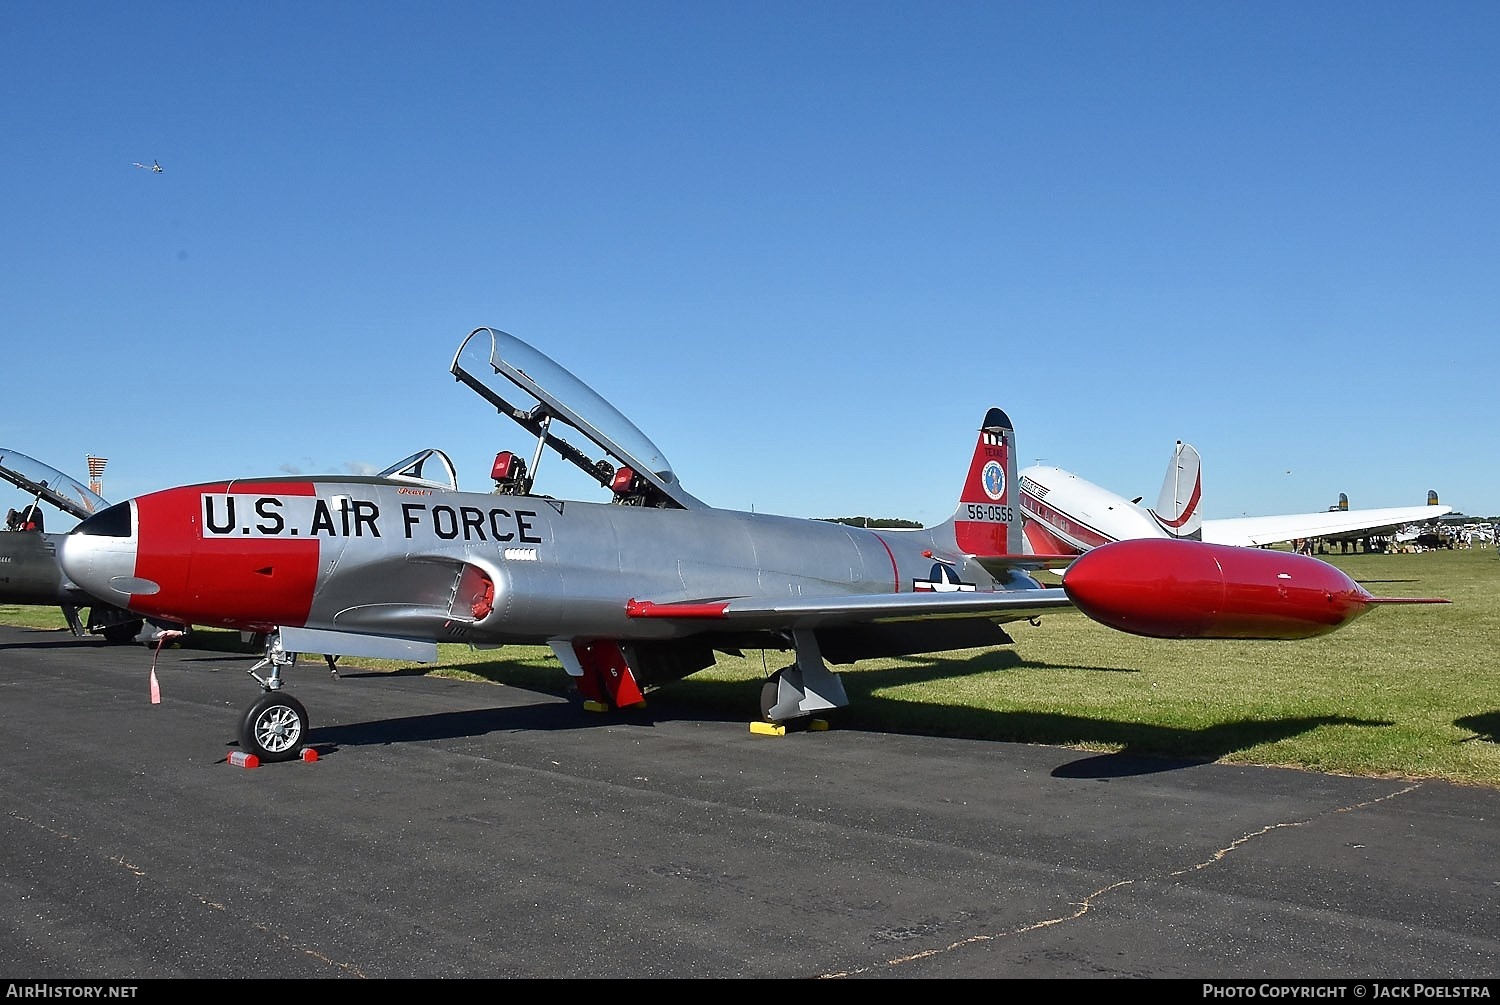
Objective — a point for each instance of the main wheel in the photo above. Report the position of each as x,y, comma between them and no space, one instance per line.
768,696
274,728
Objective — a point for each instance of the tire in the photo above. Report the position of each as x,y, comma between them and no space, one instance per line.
770,694
768,697
274,728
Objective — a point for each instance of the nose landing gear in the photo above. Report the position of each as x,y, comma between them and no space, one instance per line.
275,727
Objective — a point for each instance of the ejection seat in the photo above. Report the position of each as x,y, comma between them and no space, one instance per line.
630,489
509,473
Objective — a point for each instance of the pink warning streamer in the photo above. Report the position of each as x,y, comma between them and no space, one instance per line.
161,639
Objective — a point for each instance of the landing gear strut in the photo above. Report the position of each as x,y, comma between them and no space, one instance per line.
275,727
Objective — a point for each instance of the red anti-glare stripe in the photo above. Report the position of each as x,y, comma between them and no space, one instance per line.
650,609
236,582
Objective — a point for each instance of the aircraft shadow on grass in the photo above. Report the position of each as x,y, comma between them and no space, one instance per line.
1144,748
1485,726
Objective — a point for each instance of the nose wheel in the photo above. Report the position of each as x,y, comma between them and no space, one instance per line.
274,728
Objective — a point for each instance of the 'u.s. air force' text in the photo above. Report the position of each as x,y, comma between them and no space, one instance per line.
235,515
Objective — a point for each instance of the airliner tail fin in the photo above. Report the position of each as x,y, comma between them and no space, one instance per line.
1178,509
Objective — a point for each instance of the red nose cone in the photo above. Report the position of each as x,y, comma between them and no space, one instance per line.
1189,590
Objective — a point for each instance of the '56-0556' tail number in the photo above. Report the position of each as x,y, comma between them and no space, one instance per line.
987,513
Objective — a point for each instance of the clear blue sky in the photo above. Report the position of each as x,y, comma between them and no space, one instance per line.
803,245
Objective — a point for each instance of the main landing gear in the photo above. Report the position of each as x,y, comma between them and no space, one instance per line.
793,694
275,727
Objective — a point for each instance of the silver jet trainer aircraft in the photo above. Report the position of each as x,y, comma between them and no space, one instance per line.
647,585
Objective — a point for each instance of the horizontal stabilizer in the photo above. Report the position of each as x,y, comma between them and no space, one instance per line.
1003,565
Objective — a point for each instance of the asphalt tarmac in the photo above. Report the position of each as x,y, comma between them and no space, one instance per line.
462,830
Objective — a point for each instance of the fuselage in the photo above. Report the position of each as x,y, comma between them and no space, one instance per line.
370,556
1066,513
30,572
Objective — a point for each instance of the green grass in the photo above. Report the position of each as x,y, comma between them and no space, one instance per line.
1406,690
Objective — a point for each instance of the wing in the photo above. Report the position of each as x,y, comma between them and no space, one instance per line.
1254,531
824,612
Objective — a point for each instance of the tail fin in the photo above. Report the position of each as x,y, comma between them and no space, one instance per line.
1178,509
1432,499
987,523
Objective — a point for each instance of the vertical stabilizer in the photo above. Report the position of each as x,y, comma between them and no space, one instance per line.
987,523
1178,509
1432,497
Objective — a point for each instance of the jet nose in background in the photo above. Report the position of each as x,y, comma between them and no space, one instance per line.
99,556
1189,590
